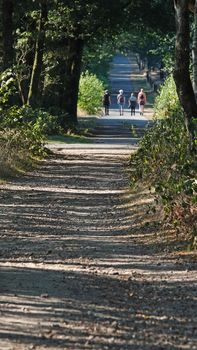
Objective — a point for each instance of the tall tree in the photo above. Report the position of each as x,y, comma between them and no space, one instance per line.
34,91
193,8
71,78
7,33
181,71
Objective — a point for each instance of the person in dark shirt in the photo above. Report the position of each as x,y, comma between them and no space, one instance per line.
106,101
132,103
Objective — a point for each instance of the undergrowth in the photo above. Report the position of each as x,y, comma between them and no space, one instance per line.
19,151
22,139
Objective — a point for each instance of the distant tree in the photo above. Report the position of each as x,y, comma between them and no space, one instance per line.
150,31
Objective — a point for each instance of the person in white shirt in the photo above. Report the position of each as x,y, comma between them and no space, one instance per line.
121,101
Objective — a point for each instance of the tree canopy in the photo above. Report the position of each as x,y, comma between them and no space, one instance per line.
46,42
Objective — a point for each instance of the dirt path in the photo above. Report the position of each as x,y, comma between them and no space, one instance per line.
82,263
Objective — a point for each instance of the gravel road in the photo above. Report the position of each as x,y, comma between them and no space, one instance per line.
84,264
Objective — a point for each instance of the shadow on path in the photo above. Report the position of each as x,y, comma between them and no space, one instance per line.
74,274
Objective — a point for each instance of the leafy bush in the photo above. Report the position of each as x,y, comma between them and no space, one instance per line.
167,102
26,137
14,116
22,137
90,93
7,87
164,163
18,149
43,121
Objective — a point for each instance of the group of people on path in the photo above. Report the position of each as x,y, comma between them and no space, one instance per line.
121,100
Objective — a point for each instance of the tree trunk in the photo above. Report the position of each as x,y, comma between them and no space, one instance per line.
181,71
34,91
194,51
7,33
72,77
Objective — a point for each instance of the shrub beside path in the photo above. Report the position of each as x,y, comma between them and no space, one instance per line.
83,261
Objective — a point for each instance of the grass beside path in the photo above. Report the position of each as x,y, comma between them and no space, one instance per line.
85,126
67,139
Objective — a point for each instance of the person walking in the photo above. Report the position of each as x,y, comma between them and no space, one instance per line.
106,101
141,98
132,103
121,101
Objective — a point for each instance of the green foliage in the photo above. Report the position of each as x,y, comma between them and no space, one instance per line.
7,87
164,163
22,136
90,93
165,49
18,149
167,102
21,133
97,58
22,129
42,121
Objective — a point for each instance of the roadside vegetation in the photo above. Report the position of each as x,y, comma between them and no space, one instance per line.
166,161
165,165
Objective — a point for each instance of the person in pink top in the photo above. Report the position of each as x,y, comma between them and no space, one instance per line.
141,99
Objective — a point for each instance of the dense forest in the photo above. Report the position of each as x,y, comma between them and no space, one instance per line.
47,46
